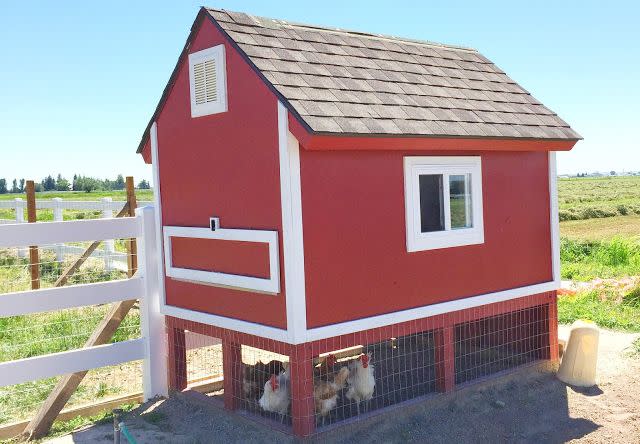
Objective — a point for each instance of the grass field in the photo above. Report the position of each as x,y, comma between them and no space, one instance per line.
592,198
600,239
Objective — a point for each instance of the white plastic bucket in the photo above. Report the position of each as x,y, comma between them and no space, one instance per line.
578,366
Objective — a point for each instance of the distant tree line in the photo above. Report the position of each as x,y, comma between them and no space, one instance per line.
79,183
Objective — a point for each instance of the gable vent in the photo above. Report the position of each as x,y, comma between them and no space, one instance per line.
207,81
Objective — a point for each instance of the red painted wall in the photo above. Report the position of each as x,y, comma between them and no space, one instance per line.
356,262
224,256
223,165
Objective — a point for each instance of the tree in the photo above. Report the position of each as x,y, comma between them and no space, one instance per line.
49,183
612,173
14,186
3,186
143,185
21,185
62,184
37,187
119,183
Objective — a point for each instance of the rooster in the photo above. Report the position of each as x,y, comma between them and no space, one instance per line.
361,380
276,396
326,366
325,393
255,376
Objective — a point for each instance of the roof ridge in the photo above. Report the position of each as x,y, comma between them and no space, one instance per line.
384,37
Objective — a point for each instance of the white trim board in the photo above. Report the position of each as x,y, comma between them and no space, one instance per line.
342,328
251,328
46,366
292,236
555,218
269,285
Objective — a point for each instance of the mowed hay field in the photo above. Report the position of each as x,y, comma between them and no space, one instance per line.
600,250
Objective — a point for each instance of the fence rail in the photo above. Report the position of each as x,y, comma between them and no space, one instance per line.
142,285
113,260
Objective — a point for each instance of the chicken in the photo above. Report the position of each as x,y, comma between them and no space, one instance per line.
276,396
361,380
255,376
325,393
326,366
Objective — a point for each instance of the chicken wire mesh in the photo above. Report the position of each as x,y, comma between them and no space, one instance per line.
498,343
204,359
346,383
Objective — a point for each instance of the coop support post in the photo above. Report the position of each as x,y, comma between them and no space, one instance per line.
57,217
553,327
232,370
109,244
177,358
302,403
445,357
151,320
19,203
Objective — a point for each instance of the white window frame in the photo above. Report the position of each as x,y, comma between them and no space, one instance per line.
270,285
217,54
414,166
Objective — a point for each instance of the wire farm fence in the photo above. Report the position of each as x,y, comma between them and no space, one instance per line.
39,334
111,252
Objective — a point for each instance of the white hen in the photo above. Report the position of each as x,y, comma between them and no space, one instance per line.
276,397
361,380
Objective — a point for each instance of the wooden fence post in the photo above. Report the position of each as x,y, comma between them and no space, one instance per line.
132,245
34,256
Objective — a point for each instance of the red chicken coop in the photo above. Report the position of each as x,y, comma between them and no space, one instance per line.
362,220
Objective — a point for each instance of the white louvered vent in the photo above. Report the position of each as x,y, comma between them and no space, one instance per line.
207,81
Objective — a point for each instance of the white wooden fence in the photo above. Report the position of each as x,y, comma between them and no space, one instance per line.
143,286
113,260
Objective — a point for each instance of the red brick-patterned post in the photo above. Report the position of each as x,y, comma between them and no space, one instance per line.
445,357
553,327
232,370
302,404
177,359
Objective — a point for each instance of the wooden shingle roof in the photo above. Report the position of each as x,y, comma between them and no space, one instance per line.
350,83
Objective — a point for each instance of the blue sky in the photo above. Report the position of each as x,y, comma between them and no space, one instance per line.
79,80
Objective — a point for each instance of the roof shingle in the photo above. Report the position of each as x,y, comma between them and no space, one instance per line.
342,82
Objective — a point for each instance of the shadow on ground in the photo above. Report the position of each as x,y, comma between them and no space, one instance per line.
528,405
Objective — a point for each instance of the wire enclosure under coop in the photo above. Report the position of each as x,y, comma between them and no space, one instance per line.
498,343
310,387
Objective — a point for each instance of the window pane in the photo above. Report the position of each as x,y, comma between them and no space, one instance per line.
460,201
431,203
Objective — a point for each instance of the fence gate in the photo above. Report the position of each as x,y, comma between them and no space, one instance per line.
22,308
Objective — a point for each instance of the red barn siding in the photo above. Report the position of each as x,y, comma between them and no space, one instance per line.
356,263
223,165
234,257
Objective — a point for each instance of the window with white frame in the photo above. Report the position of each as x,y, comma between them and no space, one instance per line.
207,81
443,201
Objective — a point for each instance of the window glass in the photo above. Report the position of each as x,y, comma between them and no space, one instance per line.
431,203
460,201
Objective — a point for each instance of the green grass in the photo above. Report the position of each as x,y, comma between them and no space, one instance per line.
603,308
81,195
585,260
589,198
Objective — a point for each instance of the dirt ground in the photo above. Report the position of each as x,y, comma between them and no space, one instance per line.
529,405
